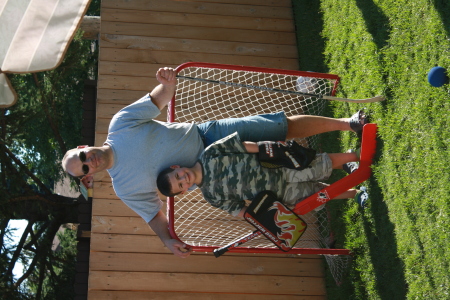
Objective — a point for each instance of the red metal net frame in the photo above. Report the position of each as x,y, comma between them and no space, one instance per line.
368,147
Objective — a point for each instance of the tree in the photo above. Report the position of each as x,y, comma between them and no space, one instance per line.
34,135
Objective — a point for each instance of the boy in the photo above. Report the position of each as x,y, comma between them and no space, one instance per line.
228,172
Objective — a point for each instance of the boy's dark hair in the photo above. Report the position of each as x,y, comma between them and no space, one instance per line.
163,183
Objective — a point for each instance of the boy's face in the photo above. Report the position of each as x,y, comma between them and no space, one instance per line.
181,179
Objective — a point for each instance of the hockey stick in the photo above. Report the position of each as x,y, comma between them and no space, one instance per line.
220,251
374,99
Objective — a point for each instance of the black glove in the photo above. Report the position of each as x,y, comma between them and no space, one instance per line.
288,154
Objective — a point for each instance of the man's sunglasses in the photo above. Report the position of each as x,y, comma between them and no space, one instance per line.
82,156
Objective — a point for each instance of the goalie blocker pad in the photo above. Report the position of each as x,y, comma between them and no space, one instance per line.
277,222
288,154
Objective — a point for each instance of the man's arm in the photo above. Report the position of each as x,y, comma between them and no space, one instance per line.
159,225
163,93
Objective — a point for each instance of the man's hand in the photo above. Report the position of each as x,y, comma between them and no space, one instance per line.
178,248
159,226
166,76
164,92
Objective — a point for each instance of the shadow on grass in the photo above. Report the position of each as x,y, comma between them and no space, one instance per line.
443,8
388,267
310,43
376,21
389,270
381,241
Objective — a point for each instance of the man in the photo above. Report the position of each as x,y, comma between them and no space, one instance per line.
229,172
138,148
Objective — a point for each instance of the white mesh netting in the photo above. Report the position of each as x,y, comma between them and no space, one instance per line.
210,96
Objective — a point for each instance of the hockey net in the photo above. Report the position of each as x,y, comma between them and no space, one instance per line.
210,92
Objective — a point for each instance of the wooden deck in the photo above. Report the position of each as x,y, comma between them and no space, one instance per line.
128,261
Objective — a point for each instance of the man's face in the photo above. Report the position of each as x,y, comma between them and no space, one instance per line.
87,161
181,179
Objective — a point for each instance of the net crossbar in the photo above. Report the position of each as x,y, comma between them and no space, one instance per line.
208,92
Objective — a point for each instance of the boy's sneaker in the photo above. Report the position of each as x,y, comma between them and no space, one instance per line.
362,196
352,166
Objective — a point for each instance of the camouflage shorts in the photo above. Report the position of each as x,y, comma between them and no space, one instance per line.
304,183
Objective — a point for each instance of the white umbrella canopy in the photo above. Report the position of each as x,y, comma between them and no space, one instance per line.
34,37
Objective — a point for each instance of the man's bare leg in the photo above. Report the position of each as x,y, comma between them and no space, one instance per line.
301,126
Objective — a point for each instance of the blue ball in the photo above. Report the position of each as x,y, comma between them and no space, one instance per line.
437,76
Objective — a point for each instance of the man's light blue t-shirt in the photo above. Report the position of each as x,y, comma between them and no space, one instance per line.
142,148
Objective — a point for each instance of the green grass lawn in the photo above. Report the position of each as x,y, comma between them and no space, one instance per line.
401,241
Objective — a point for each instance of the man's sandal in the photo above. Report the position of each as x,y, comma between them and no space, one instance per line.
361,197
358,120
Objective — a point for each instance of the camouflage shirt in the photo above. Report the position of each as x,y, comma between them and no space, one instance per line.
231,175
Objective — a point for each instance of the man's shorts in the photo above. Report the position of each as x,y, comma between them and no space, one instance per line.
304,183
267,127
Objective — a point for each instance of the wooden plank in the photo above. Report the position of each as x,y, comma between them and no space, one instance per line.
130,69
108,111
198,33
100,138
102,125
143,84
137,295
127,37
103,190
198,20
104,261
177,58
122,225
127,243
283,3
124,97
219,283
109,207
193,7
